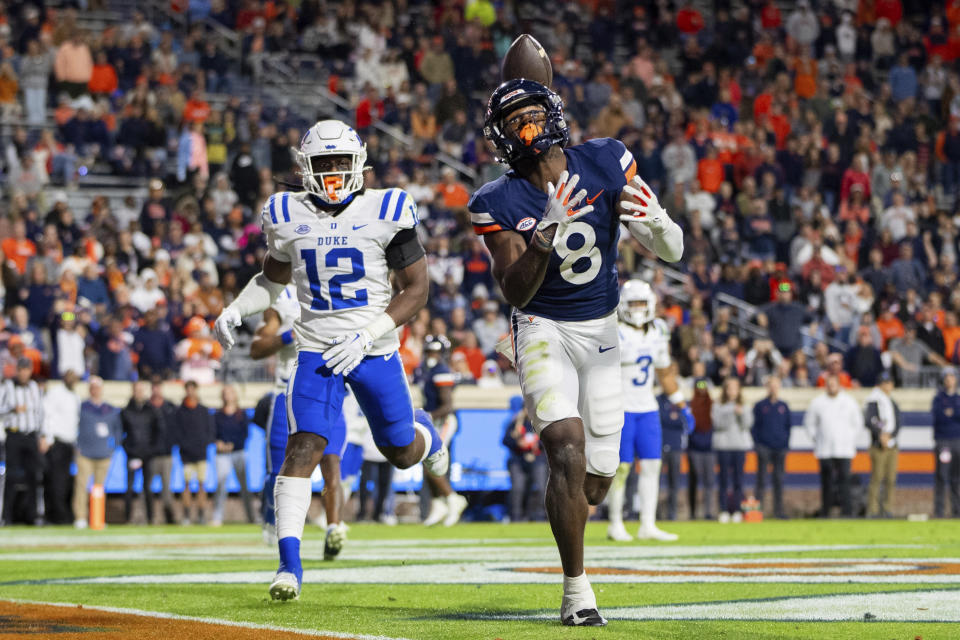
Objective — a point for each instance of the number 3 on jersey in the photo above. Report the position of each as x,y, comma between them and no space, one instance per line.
643,364
572,256
335,285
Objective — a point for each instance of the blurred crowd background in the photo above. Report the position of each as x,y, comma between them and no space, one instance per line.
811,153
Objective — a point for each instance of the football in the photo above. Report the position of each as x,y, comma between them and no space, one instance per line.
526,58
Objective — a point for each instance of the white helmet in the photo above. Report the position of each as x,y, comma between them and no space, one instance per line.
331,138
637,291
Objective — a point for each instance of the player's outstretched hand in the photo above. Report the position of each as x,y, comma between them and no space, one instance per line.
346,352
643,206
562,205
225,327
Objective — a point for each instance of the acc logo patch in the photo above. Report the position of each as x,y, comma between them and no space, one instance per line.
526,224
302,229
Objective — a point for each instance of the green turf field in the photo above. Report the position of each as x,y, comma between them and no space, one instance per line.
783,579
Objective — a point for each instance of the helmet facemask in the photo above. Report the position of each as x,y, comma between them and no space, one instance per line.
638,303
534,135
332,176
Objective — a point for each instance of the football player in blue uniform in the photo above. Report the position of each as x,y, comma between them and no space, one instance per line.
338,242
554,252
438,381
275,336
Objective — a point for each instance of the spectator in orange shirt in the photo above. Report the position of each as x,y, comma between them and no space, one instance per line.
15,350
805,76
889,326
104,78
18,249
473,354
951,337
196,109
710,171
453,195
855,207
198,353
835,367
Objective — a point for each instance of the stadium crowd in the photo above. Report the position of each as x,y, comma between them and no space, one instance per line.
812,157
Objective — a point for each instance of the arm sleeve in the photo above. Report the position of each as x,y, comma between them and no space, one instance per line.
668,245
404,249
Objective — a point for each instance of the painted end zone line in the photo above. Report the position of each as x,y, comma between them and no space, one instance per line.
218,621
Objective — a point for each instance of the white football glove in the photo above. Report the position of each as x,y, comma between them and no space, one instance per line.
644,208
561,207
346,352
225,327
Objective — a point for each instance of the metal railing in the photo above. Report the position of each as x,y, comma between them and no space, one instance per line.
309,89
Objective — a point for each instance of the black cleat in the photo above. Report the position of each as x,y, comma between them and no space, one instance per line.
585,618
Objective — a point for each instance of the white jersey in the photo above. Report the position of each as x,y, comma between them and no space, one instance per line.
642,352
288,308
339,262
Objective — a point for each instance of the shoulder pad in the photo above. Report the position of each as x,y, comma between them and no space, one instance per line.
276,210
396,205
661,327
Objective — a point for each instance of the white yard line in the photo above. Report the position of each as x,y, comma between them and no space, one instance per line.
228,623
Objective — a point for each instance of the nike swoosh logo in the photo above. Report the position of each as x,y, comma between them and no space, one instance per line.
591,200
359,226
605,349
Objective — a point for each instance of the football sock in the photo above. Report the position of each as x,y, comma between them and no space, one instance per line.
431,438
292,496
618,490
649,491
578,589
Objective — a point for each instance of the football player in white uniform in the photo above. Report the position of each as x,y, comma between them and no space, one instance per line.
644,350
276,336
338,242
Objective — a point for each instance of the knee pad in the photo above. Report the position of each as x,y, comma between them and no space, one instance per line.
603,458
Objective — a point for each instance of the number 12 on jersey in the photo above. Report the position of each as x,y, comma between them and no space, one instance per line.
336,282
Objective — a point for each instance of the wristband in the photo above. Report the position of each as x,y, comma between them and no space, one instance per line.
676,397
380,325
287,336
540,242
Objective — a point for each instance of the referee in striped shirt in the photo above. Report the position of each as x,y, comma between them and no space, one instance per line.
21,410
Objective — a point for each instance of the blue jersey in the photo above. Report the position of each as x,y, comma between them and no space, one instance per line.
435,377
581,279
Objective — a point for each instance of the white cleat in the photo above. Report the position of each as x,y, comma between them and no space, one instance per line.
438,512
439,463
653,533
581,611
79,523
618,532
285,586
456,504
336,536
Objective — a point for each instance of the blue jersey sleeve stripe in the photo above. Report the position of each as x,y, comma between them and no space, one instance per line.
385,204
285,205
399,210
273,209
